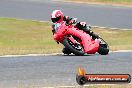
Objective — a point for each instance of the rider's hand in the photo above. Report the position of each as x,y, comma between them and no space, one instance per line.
73,21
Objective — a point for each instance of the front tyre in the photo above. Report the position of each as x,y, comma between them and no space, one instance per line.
73,48
66,51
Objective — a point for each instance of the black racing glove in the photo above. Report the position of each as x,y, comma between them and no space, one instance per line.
69,20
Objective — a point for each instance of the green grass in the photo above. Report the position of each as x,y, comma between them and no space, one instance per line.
32,37
117,39
111,86
114,0
77,86
105,0
122,2
25,36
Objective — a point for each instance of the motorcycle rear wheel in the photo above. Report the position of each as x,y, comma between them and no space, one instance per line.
103,48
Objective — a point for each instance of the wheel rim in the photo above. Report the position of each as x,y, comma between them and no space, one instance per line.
76,46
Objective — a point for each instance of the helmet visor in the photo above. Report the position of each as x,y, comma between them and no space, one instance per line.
56,19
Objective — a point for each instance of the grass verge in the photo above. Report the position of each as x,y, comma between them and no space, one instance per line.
90,86
111,86
112,2
32,37
26,37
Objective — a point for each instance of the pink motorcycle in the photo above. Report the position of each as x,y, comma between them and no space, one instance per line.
78,42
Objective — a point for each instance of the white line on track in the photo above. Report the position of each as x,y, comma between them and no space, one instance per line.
31,55
53,54
90,85
123,51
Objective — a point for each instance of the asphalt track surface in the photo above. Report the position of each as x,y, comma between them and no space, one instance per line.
60,70
97,15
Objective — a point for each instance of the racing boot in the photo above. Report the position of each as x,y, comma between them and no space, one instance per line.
88,30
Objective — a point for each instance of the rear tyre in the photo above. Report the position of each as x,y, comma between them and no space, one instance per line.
103,50
68,44
103,47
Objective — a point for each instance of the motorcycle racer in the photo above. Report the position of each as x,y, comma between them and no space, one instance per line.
57,17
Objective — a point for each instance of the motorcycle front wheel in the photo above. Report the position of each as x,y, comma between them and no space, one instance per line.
76,49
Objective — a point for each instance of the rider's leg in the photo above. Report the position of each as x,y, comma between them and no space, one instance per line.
86,28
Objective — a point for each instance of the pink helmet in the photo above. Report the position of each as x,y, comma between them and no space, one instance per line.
57,16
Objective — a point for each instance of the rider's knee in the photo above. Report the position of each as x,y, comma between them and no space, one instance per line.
81,25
